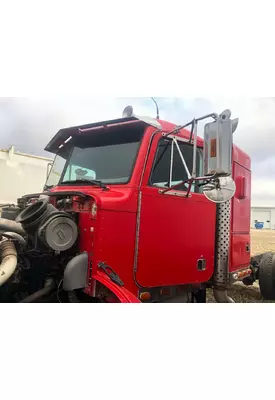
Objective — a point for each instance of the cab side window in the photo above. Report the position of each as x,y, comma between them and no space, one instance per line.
169,169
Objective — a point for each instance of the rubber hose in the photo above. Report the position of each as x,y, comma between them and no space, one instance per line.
7,225
15,236
49,286
8,256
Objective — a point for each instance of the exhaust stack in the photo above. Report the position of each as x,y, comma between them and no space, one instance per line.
222,253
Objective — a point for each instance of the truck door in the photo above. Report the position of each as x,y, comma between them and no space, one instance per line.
176,233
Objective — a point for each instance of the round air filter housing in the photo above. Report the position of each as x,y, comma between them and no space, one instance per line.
55,229
59,232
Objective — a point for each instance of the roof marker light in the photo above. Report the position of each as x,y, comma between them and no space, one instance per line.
69,138
96,128
128,112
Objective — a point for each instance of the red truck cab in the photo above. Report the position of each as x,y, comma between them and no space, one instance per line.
155,242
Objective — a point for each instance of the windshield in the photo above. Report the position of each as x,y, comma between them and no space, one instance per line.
107,157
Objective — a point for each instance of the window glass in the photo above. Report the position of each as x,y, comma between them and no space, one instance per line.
108,156
109,164
161,170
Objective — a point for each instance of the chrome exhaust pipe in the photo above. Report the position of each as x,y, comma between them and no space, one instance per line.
221,296
220,280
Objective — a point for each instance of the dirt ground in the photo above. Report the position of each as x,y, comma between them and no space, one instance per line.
261,241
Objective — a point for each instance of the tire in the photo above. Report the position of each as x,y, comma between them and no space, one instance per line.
267,276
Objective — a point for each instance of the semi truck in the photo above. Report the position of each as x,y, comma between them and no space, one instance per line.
136,210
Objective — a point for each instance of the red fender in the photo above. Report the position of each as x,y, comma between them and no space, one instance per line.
124,295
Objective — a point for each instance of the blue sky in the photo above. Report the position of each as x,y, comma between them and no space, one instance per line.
29,123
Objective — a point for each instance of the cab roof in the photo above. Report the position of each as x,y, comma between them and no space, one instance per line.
66,134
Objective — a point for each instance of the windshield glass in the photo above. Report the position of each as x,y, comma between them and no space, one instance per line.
57,168
108,157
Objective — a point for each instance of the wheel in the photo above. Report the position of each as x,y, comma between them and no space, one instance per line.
267,276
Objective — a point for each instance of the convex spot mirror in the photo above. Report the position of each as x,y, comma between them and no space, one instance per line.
221,190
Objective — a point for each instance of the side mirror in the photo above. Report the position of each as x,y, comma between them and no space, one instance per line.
217,156
218,142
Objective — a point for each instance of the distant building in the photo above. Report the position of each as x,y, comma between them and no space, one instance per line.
266,215
21,174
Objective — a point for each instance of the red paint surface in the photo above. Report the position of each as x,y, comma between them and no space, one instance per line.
240,256
240,157
115,241
123,295
241,211
241,204
174,231
110,236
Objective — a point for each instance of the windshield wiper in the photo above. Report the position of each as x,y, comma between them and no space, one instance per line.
92,182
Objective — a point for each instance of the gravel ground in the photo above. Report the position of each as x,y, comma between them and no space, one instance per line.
262,240
241,294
